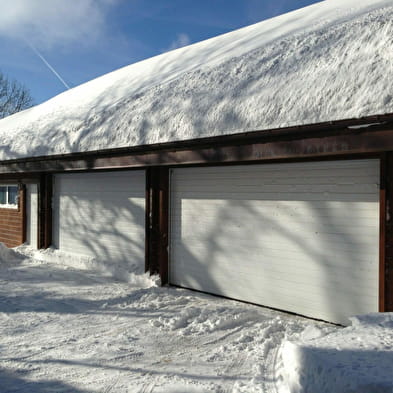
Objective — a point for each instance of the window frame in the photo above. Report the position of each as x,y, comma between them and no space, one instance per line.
8,205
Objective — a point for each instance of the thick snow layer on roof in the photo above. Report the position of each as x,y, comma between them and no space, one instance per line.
329,61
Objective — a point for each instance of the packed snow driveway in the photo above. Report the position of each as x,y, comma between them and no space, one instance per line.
64,329
69,330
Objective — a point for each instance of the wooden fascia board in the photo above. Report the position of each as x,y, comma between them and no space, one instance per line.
345,143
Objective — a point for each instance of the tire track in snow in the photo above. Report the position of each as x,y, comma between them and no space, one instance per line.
111,385
148,387
233,370
273,335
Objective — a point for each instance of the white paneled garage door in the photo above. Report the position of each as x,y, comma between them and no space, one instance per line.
32,215
101,215
301,237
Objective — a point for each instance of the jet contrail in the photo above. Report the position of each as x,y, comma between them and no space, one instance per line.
48,65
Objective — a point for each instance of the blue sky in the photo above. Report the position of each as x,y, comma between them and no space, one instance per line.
83,39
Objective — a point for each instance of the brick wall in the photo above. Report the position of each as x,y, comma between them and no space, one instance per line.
12,221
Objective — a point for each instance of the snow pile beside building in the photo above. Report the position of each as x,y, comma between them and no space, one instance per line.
9,256
357,359
132,274
325,62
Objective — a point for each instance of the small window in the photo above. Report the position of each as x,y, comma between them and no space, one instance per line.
9,196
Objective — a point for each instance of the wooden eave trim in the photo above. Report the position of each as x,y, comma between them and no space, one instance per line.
246,147
376,122
19,177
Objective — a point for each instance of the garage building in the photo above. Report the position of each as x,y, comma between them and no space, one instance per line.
257,165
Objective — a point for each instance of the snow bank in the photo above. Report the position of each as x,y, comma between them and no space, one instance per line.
8,256
357,359
132,274
325,62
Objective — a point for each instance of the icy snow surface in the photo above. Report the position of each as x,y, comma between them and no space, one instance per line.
328,61
65,328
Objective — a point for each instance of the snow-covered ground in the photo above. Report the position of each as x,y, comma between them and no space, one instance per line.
330,61
70,329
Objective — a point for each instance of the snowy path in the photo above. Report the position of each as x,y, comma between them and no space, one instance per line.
66,330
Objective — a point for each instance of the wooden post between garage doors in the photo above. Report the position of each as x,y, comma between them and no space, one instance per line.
387,227
45,211
157,207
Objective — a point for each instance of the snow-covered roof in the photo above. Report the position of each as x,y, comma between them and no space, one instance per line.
329,61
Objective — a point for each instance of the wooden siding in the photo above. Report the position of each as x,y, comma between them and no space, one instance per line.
301,237
12,223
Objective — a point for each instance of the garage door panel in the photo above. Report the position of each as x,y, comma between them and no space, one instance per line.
334,210
283,288
339,227
232,235
101,215
292,191
298,178
330,197
92,210
286,251
332,297
336,270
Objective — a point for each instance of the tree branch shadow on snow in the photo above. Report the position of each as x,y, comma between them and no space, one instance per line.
313,373
48,302
139,370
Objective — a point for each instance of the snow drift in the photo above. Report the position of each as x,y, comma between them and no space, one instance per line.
355,359
8,256
130,273
325,62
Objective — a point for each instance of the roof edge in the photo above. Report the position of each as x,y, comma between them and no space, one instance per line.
375,122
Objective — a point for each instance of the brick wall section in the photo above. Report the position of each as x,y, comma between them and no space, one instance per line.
12,224
389,235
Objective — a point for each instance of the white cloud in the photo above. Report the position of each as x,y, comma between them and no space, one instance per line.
181,40
48,23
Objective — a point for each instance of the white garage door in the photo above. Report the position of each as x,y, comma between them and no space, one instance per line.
301,237
101,215
32,215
